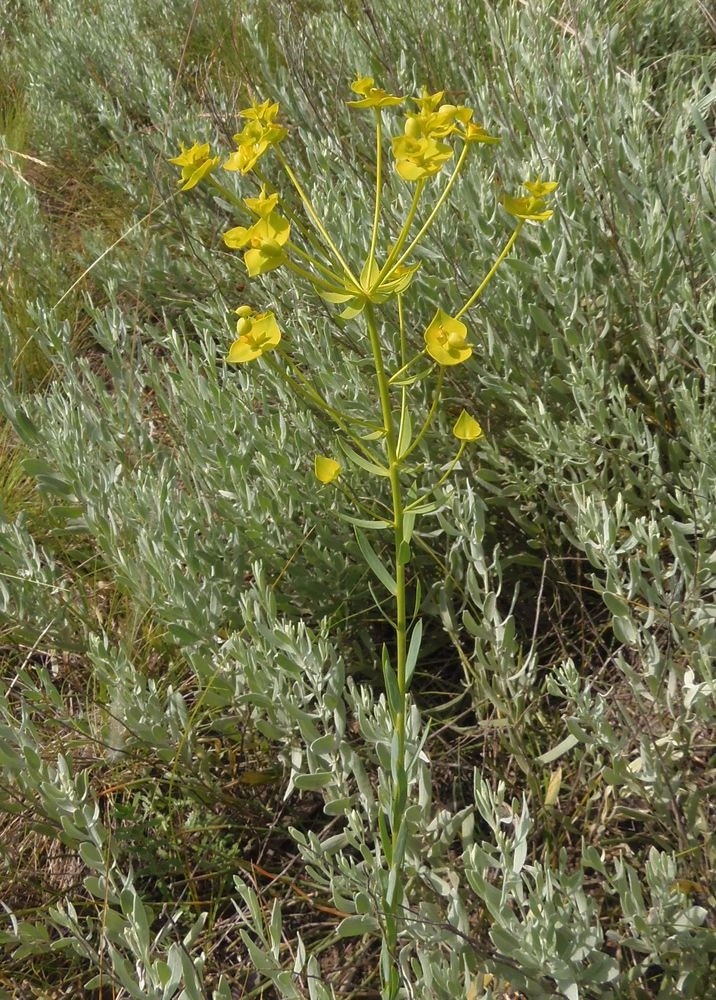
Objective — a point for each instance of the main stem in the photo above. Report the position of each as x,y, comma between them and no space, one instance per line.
394,894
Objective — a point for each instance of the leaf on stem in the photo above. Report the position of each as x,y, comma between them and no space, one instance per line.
411,659
374,562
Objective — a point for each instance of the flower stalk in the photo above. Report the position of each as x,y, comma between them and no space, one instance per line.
381,446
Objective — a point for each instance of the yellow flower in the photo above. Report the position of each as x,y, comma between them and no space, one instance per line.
264,241
540,188
428,102
195,163
263,113
264,205
435,120
259,133
532,208
467,428
252,146
419,157
477,133
257,333
445,340
326,469
372,97
528,209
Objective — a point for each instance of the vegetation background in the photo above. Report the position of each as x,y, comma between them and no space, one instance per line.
178,606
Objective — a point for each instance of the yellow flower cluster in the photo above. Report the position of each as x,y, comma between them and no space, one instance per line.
265,240
195,162
436,120
370,96
259,133
421,151
534,207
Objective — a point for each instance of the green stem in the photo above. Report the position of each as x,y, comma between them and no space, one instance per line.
232,198
403,389
400,782
404,232
441,480
436,208
304,390
396,376
431,413
329,274
401,332
493,270
316,221
378,185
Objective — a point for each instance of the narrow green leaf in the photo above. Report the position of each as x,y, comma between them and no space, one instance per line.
411,659
91,856
426,508
182,636
385,840
542,320
625,631
391,684
564,747
405,433
24,427
362,522
363,903
374,562
364,463
618,606
369,272
418,599
408,525
378,604
337,807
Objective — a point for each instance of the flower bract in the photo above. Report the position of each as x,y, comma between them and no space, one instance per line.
264,242
195,162
263,113
416,158
435,120
467,428
356,297
445,340
534,207
370,96
540,188
264,205
477,133
257,333
326,469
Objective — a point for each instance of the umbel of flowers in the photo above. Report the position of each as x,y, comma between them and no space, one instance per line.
428,152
